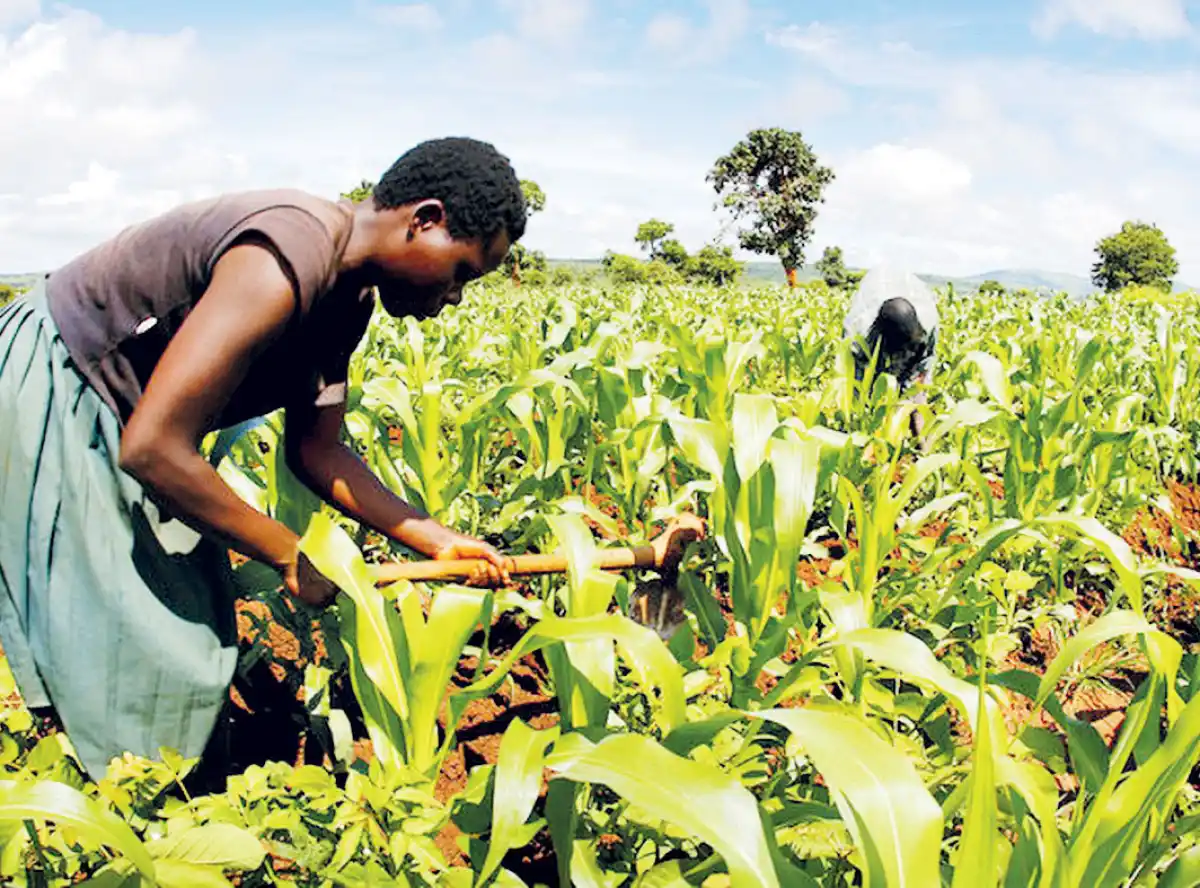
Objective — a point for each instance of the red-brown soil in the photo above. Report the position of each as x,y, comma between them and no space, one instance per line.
1175,539
268,708
527,697
266,717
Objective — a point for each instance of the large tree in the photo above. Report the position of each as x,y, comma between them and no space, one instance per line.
773,181
1137,254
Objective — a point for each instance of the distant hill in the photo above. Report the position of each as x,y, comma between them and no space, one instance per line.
1037,280
756,271
18,281
771,272
1009,278
1027,279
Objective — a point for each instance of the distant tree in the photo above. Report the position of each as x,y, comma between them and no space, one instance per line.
834,271
589,276
361,192
651,234
7,294
673,253
715,265
660,274
623,269
1137,254
535,198
521,262
523,265
773,180
991,288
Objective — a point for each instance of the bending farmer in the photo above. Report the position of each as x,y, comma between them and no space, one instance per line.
895,312
116,589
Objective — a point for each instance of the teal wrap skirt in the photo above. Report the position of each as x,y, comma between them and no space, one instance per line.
120,621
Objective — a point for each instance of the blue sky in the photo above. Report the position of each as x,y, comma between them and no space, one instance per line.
963,136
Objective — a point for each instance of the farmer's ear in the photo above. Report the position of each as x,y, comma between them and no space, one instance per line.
426,215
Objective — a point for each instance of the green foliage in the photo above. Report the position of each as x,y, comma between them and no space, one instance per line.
714,265
673,253
524,265
535,198
1139,254
623,269
7,293
834,271
991,288
650,235
521,264
360,192
669,261
848,697
562,276
773,181
661,251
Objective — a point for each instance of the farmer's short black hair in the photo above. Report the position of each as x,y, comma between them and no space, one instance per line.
474,181
897,324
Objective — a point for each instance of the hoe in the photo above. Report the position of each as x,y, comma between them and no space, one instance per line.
662,554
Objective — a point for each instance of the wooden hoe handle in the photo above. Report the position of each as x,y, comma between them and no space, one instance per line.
519,565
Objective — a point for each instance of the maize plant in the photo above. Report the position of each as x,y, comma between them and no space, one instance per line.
966,660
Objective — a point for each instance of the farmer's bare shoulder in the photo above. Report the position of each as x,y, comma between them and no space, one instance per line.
187,238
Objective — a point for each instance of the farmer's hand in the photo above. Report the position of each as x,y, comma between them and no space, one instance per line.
494,569
307,583
917,422
917,418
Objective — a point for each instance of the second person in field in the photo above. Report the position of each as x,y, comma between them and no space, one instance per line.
895,312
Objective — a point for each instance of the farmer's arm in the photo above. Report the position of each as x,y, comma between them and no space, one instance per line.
917,418
248,303
924,376
319,457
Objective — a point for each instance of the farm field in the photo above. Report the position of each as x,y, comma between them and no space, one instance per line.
973,663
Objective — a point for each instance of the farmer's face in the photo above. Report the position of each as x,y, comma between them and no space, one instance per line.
425,269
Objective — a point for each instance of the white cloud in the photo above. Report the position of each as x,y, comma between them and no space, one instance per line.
17,12
689,42
110,127
1049,155
901,174
811,98
1070,215
815,38
100,185
549,21
99,148
668,31
955,164
1147,19
415,16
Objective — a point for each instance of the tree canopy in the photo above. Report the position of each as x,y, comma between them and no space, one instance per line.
535,198
773,182
1137,254
834,272
360,192
651,234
